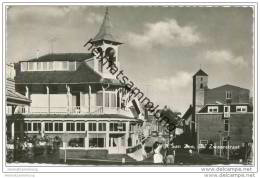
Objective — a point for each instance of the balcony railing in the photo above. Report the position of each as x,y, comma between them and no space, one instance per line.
76,110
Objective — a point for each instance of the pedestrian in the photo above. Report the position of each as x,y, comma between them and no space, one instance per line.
170,154
157,157
163,151
144,154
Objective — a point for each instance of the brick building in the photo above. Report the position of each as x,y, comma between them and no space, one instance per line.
221,116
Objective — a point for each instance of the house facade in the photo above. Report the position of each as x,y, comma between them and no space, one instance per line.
77,99
222,116
14,102
224,125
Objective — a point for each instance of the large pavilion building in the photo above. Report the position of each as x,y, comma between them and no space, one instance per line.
75,98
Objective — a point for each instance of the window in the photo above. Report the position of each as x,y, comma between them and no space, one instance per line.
36,126
81,126
58,126
30,66
50,65
57,65
226,111
201,85
72,65
201,79
113,100
76,142
117,126
64,65
228,95
122,127
101,126
70,126
106,99
226,125
132,127
24,66
226,108
241,108
97,140
99,99
48,126
212,109
27,126
39,65
92,126
44,65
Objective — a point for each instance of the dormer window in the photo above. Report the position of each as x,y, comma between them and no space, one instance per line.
228,95
241,108
64,65
72,65
24,66
44,66
39,65
31,66
212,109
48,66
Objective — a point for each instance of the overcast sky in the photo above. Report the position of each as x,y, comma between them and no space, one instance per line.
163,46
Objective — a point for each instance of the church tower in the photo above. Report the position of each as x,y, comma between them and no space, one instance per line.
200,86
107,45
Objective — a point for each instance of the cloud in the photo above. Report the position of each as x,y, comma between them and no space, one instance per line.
167,33
224,56
180,80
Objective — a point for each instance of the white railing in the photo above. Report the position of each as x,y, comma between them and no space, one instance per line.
76,110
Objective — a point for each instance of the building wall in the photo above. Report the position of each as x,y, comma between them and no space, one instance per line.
209,126
241,127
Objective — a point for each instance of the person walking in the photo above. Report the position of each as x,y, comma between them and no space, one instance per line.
170,154
157,157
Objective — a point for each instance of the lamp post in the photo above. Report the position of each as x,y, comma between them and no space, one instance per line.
228,139
219,132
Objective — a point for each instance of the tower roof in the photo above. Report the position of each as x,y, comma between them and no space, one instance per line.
200,73
105,30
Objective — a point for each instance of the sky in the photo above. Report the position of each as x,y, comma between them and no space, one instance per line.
163,47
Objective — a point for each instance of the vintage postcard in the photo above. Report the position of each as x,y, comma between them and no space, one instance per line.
128,87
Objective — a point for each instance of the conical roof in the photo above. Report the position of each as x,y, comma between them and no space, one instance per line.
201,73
105,31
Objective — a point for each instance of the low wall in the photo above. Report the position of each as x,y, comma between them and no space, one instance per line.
77,153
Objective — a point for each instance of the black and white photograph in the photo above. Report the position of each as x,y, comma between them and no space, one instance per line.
111,86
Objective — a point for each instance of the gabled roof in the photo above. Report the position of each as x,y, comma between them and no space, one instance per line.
83,74
105,31
200,73
188,113
62,57
229,86
15,98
